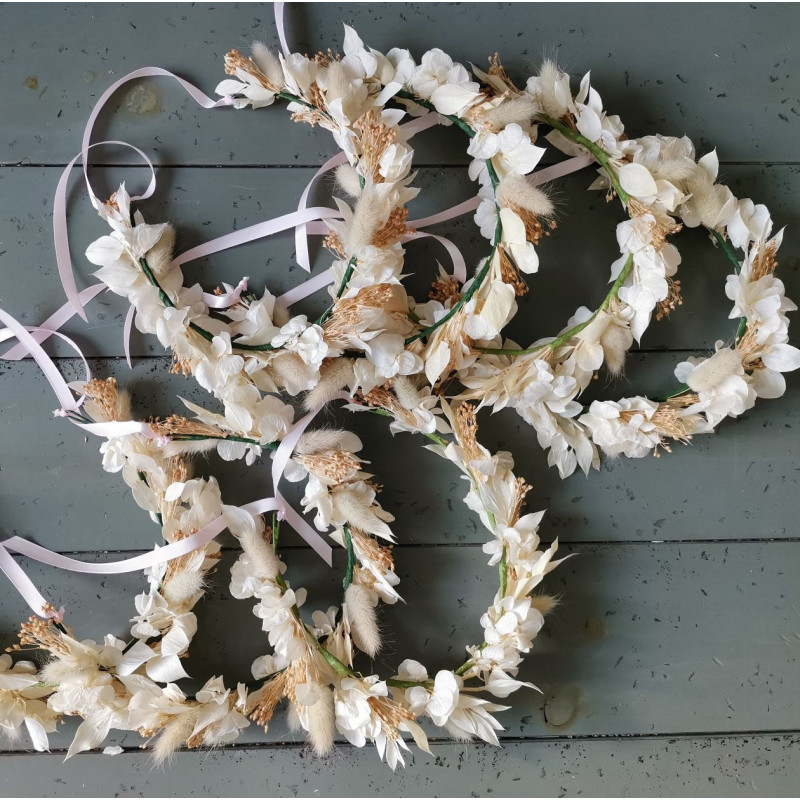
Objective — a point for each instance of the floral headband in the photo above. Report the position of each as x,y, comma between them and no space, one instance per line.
426,366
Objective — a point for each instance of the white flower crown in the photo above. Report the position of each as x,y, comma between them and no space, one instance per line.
394,357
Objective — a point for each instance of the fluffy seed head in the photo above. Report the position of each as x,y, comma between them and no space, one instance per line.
159,257
321,719
616,341
519,110
268,63
347,179
334,376
360,605
516,190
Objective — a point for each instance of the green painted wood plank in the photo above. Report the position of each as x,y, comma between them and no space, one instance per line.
207,203
750,766
648,639
705,69
740,483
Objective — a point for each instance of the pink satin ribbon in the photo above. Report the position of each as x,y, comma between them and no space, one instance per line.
299,219
60,233
160,555
302,220
53,323
25,585
278,8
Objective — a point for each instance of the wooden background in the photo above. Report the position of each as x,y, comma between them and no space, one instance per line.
671,664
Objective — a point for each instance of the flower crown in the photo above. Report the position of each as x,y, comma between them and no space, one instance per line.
426,367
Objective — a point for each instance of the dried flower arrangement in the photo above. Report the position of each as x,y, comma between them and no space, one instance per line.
382,352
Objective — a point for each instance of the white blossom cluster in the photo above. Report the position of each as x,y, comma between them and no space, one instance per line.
396,357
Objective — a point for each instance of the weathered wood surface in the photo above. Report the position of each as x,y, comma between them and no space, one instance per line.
205,204
740,483
679,628
730,766
722,77
649,639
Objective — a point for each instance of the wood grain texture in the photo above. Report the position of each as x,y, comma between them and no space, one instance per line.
205,204
740,483
668,638
656,65
671,665
740,766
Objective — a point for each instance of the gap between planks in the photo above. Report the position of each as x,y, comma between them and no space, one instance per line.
428,545
243,165
444,742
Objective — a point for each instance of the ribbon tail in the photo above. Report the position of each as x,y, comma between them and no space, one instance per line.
306,532
278,8
22,583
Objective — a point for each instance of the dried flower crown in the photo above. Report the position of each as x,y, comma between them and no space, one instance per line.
395,357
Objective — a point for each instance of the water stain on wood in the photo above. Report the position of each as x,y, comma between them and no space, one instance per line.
561,707
143,100
594,629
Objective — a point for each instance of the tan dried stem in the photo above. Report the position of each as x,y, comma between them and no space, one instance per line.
373,552
765,262
671,301
40,634
444,288
347,312
334,466
391,714
234,61
382,397
175,425
262,703
664,224
521,489
669,421
535,229
109,402
496,69
393,229
466,430
510,274
316,114
750,348
374,137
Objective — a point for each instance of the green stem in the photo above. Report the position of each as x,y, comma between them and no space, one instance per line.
465,298
191,437
682,389
167,301
341,669
559,340
398,684
457,121
503,569
727,248
730,254
342,286
276,531
599,154
351,557
207,335
293,98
